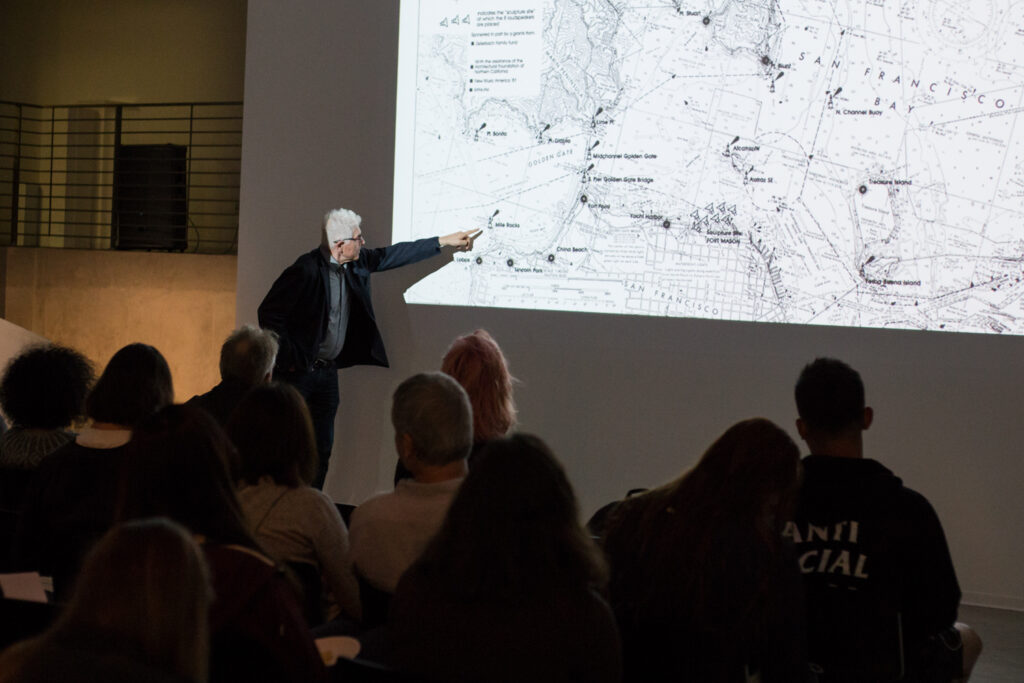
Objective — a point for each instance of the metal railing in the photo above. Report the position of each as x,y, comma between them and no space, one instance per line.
141,176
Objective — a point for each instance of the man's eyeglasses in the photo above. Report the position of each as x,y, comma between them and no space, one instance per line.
358,238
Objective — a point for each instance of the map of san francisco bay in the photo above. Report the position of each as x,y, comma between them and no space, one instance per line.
854,163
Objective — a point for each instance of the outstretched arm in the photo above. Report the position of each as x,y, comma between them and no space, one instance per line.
404,253
462,241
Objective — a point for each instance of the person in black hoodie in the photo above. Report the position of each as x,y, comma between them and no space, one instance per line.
882,594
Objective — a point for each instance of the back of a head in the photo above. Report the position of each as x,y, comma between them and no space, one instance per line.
517,481
434,411
135,384
709,534
753,462
145,585
177,465
512,530
830,397
477,363
248,355
44,386
273,432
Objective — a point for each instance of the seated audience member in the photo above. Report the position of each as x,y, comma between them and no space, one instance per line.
138,613
70,503
291,520
872,551
43,391
433,433
509,588
246,360
476,362
702,583
177,467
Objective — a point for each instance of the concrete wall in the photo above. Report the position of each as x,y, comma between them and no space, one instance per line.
98,301
62,52
73,52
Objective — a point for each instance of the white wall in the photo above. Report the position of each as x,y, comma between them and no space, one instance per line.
624,401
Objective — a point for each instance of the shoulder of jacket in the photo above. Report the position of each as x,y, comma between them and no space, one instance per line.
310,258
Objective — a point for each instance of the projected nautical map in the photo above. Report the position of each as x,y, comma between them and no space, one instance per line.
856,163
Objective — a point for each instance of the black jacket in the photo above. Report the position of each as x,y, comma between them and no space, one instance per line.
858,528
221,401
68,507
296,307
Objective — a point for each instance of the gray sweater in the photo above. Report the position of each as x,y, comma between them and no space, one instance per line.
302,525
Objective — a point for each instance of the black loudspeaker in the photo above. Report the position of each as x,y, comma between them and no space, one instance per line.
151,197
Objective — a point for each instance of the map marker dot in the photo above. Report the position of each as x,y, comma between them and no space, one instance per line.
706,20
551,258
509,263
667,224
863,189
479,260
766,60
583,199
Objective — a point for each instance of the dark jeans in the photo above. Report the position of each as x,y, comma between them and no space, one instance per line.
319,387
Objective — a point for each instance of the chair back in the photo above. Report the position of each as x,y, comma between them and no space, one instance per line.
599,520
376,603
312,591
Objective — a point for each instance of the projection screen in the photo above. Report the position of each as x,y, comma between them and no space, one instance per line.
848,164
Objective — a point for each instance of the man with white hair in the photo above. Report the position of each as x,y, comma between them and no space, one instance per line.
321,310
246,360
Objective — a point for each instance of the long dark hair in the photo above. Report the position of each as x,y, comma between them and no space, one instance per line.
145,588
135,384
704,547
273,433
177,465
513,531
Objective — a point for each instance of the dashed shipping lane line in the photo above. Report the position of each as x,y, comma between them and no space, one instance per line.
494,157
504,198
992,114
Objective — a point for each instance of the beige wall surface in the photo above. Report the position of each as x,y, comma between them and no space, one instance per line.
98,301
73,52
